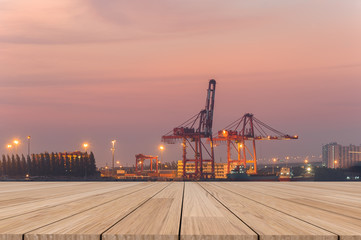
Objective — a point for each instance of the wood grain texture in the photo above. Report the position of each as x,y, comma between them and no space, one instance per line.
89,225
65,197
162,210
344,226
205,218
15,227
344,204
158,218
269,223
28,193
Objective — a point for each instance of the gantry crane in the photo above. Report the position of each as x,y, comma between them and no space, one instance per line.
191,133
242,134
139,161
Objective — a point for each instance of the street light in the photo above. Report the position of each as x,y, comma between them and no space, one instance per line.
120,166
113,150
85,145
107,170
28,146
9,146
334,165
16,142
274,162
161,147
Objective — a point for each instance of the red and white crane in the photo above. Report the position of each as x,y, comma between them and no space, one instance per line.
191,133
241,135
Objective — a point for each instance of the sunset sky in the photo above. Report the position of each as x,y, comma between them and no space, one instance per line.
92,70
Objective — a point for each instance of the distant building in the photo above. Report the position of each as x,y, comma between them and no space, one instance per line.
337,156
220,169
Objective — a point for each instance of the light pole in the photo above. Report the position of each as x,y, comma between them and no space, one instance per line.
107,170
9,146
16,142
161,147
29,146
113,150
274,163
85,146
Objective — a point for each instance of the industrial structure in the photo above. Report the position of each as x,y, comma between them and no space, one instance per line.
191,133
241,136
139,163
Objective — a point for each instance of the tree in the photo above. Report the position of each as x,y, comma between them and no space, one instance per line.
92,165
3,166
29,166
61,170
18,169
82,166
76,168
13,165
86,165
53,164
8,166
42,164
23,165
35,165
67,164
47,167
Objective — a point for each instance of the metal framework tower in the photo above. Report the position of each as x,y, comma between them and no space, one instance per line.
139,161
191,133
241,136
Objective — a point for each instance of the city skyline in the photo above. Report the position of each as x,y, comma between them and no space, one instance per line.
88,71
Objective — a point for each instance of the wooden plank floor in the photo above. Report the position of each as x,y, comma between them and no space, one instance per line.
180,210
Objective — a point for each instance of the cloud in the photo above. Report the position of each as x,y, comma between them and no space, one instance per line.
93,21
171,17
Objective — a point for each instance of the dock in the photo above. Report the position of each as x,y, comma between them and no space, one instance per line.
180,210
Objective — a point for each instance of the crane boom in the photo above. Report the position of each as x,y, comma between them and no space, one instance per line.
192,132
210,108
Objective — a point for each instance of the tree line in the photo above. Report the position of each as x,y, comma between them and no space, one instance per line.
48,164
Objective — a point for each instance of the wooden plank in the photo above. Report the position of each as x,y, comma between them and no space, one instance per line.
205,218
64,198
282,189
334,202
31,194
89,225
158,218
15,227
342,190
343,187
269,223
20,187
345,227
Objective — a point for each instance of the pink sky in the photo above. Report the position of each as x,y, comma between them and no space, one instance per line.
93,70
